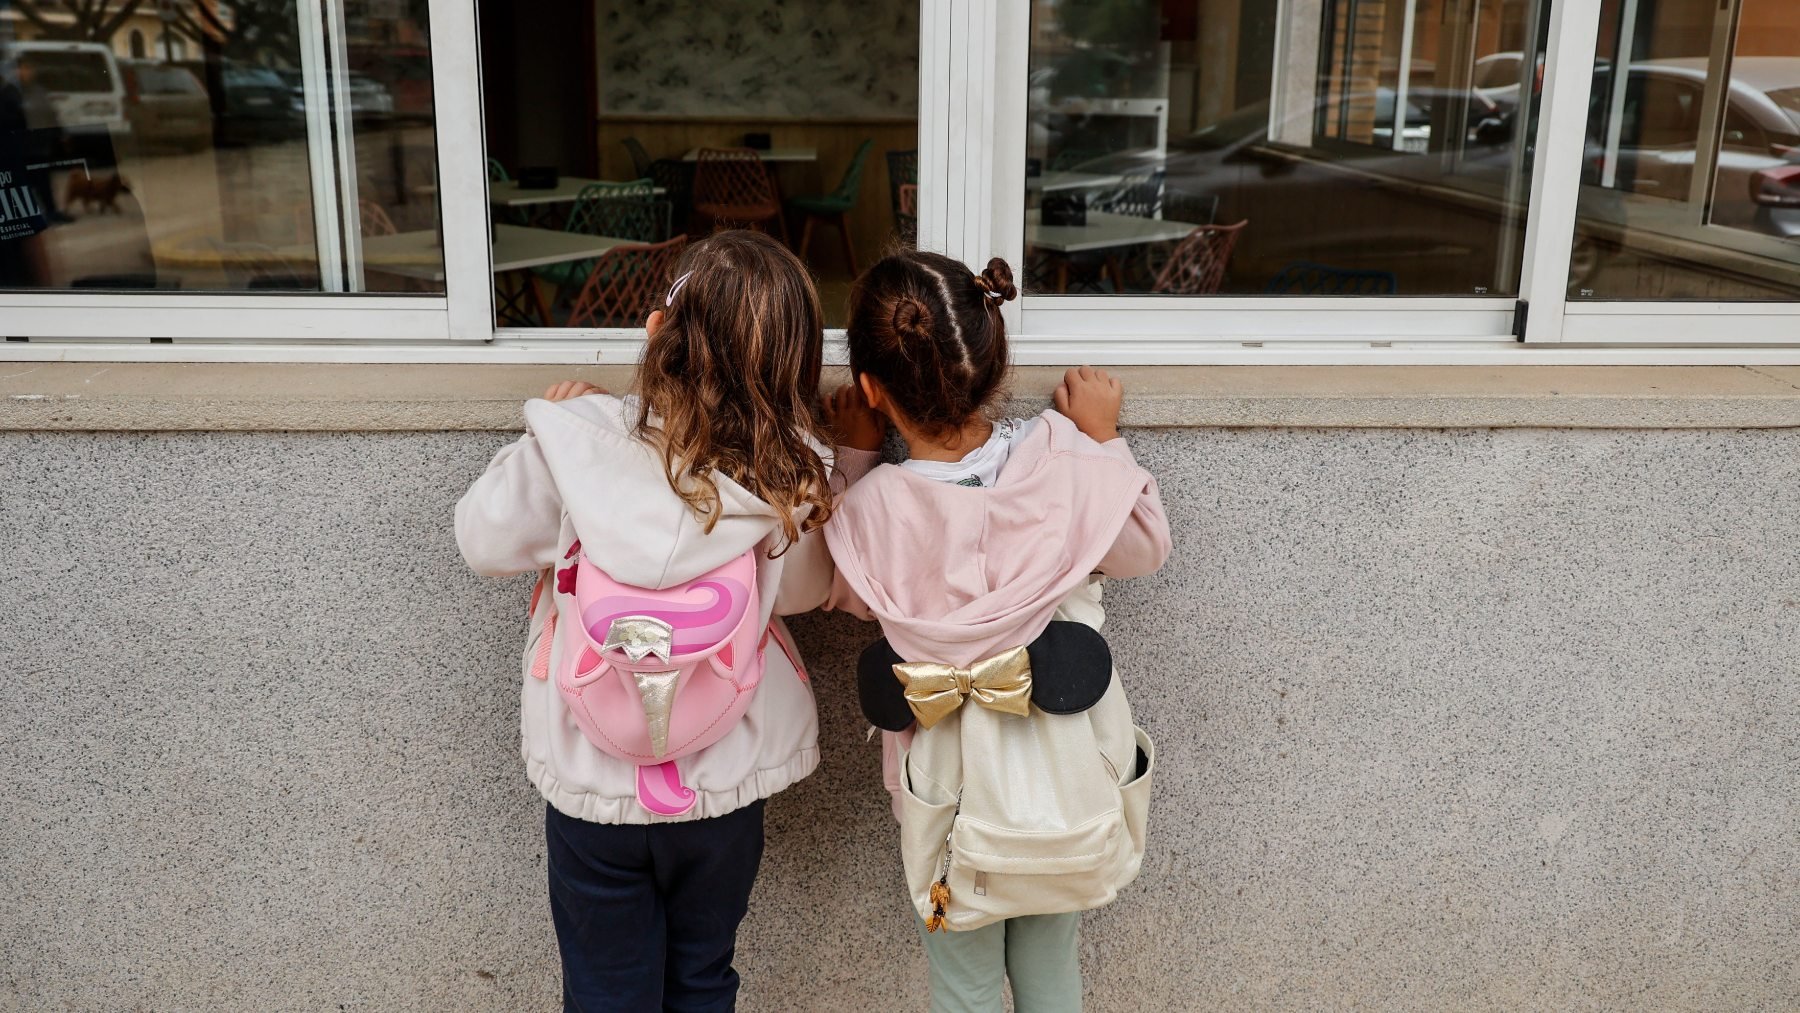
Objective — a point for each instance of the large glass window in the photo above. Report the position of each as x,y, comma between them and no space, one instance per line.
1691,184
619,132
1366,174
1306,147
218,146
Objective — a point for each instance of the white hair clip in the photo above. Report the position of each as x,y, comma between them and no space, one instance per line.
670,301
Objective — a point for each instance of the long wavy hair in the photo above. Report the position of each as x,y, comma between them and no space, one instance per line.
728,381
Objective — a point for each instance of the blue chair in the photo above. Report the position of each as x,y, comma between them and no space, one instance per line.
1303,277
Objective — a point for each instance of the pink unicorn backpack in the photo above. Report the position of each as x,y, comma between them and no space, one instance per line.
652,676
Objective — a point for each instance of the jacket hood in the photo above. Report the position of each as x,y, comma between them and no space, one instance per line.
618,498
955,574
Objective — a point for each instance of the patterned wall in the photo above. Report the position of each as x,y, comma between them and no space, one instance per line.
781,59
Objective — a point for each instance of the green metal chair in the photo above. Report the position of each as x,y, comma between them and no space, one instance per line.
497,172
620,210
834,207
676,177
640,158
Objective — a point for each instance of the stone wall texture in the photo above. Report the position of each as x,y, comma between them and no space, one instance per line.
1461,719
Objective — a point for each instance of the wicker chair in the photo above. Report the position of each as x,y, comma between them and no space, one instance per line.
732,187
1140,196
903,171
375,220
626,284
1197,264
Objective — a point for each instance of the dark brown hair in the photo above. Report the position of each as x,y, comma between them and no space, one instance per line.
930,330
728,381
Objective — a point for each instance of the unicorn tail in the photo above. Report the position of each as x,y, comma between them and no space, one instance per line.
659,789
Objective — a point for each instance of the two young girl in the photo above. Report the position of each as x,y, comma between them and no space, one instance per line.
702,502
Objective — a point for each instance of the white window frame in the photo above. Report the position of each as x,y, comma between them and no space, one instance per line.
75,324
1228,330
974,56
1631,322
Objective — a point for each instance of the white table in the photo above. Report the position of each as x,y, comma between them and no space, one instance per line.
769,155
1050,182
516,248
1103,231
510,194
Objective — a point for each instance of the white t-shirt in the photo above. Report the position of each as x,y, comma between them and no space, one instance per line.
979,467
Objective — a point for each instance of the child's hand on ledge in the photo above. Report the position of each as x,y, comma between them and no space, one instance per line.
570,389
1090,398
852,422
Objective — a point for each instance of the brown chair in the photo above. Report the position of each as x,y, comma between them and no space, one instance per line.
906,211
626,284
733,187
1197,264
375,220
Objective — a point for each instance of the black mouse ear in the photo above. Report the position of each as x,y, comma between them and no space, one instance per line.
1071,667
883,698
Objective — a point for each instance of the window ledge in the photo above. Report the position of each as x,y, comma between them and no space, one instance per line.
369,397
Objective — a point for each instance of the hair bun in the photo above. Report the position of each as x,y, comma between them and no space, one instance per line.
912,319
997,279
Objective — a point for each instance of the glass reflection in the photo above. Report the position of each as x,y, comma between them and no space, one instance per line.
194,145
1312,147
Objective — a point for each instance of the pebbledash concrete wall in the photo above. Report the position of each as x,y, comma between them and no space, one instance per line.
1448,720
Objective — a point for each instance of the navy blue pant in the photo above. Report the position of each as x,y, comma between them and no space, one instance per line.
647,916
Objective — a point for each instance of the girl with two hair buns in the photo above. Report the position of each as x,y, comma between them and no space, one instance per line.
990,533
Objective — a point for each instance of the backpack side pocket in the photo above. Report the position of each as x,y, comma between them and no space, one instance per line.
924,835
1134,793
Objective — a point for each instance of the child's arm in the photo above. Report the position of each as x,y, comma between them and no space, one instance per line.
807,578
807,573
1143,543
1091,399
509,520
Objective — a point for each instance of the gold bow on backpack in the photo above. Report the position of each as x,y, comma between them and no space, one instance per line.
1001,683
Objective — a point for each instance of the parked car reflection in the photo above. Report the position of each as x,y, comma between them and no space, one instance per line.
1659,133
81,85
166,105
369,98
251,104
1427,218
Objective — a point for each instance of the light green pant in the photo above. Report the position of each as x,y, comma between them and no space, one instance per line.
1038,952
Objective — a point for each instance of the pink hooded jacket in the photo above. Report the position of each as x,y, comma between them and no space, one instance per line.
956,574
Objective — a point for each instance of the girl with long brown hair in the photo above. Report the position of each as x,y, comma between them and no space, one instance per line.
649,509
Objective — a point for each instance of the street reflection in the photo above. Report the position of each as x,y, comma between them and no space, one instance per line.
201,146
